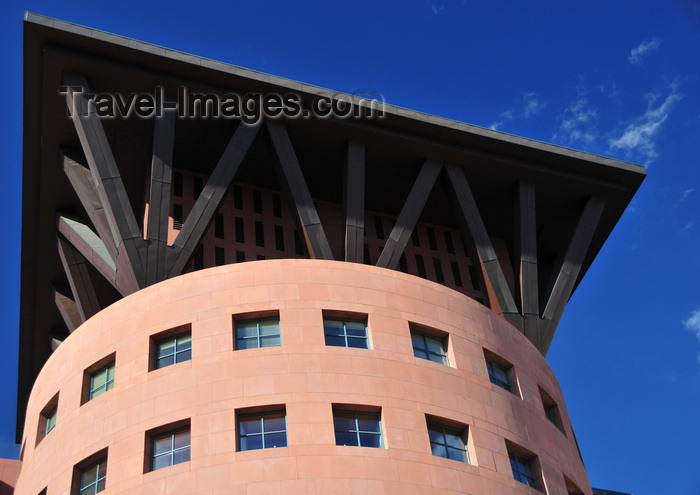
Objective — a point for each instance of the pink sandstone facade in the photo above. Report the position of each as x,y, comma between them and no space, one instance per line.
304,378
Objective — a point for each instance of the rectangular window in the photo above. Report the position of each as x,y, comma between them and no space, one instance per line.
259,234
101,381
551,410
430,347
93,478
367,260
198,257
432,242
378,227
357,428
499,374
219,226
403,266
439,276
170,448
298,244
448,242
261,332
474,278
257,201
276,206
47,419
198,186
523,467
265,430
456,273
342,332
279,238
173,350
219,256
240,256
51,420
448,442
415,239
237,197
239,228
177,184
177,216
420,264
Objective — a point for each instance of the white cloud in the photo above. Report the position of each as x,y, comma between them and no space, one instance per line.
531,107
639,137
693,324
578,123
686,193
637,53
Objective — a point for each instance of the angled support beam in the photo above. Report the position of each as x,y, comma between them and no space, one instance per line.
210,198
159,197
79,279
297,192
527,286
55,343
91,247
479,244
80,178
410,212
110,188
566,275
68,309
354,203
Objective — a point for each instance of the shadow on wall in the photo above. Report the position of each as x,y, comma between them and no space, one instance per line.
6,489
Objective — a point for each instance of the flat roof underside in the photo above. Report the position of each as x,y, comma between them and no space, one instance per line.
396,146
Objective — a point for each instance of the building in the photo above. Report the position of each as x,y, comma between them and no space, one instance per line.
301,304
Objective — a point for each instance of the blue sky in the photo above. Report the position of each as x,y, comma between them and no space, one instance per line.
619,78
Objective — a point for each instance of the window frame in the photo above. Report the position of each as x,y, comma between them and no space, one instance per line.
48,419
345,318
460,432
426,333
261,414
551,410
257,318
494,364
524,466
375,413
172,433
89,374
98,459
173,333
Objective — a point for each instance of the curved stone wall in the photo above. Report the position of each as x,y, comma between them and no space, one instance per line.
306,379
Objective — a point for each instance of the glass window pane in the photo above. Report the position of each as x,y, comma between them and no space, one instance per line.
420,353
184,341
335,341
269,327
166,347
275,440
435,434
345,438
165,361
455,454
417,339
100,485
98,379
344,421
435,345
247,343
333,327
368,422
162,461
162,444
182,455
184,356
246,330
454,440
88,476
358,343
251,443
182,439
270,341
274,422
250,425
438,450
370,440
